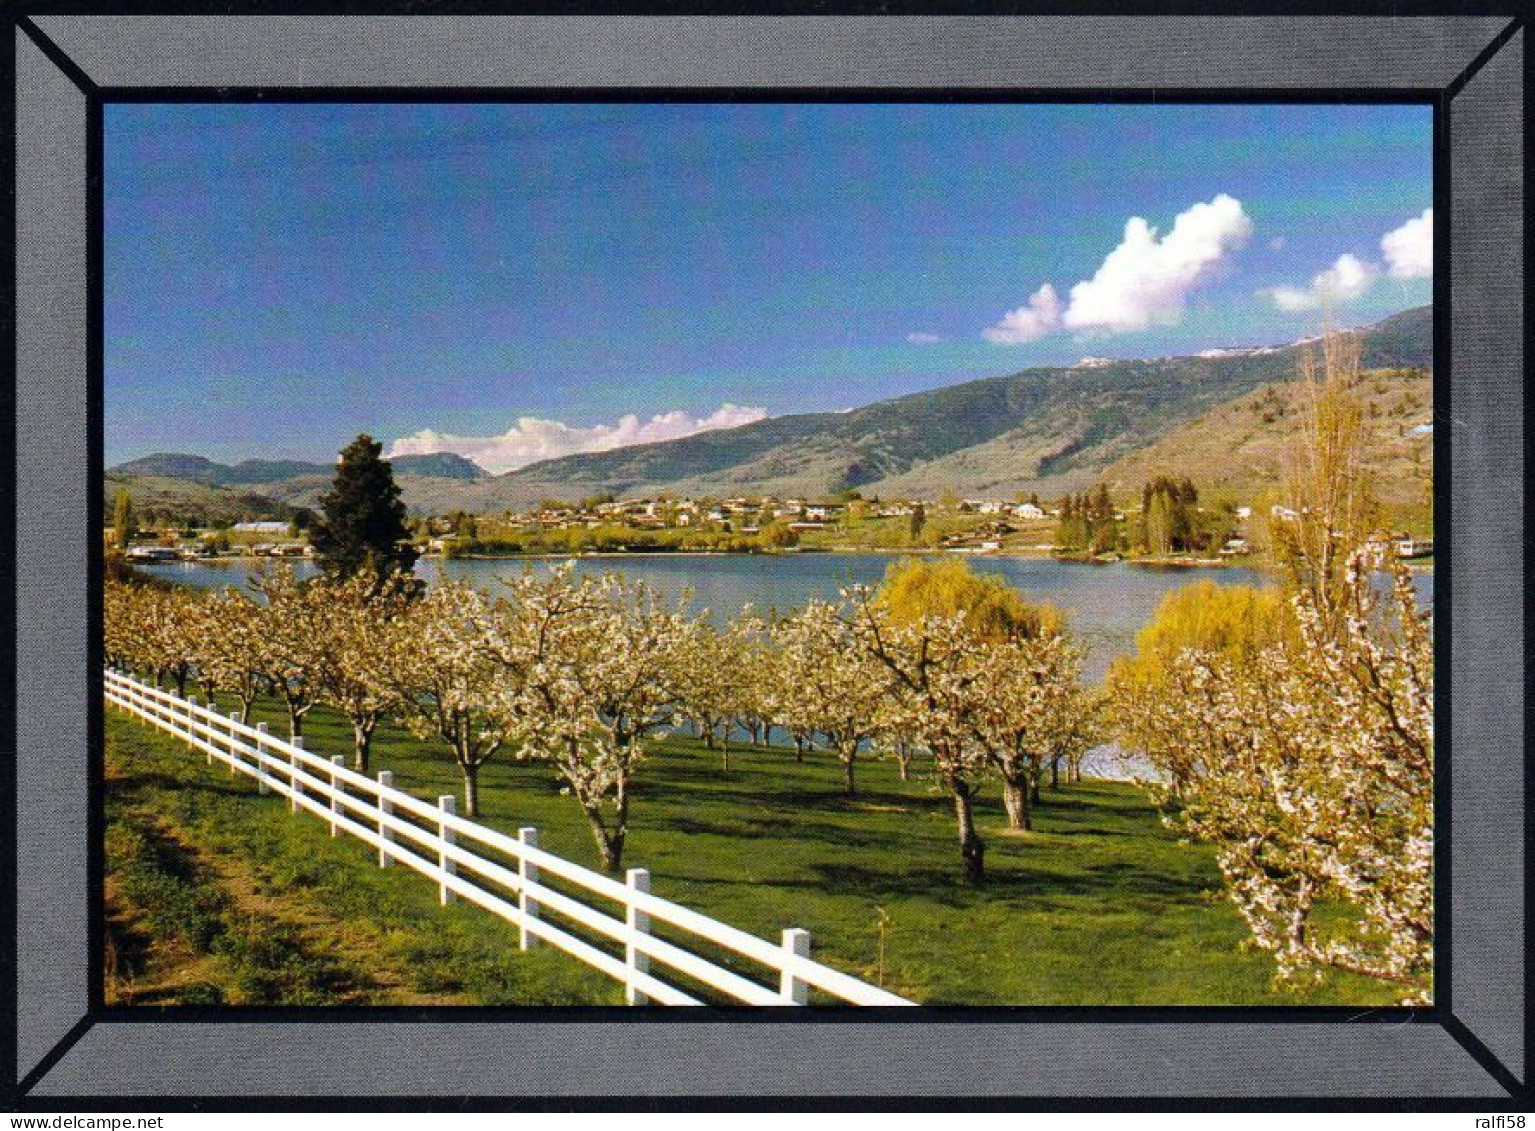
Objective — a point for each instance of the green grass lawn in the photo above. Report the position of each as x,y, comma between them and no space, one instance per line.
1100,905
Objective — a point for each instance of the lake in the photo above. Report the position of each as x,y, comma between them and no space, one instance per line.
1106,604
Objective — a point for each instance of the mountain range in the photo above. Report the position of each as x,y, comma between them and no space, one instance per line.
1050,430
256,472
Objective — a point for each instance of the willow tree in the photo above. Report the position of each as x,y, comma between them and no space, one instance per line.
936,627
915,589
1147,689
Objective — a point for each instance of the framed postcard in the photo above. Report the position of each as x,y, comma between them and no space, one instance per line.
842,559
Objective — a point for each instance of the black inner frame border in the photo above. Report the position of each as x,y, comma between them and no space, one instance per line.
1439,1013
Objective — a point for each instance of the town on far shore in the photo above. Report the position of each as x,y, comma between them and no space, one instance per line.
1168,523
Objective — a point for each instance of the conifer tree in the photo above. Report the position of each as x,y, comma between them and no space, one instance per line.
362,520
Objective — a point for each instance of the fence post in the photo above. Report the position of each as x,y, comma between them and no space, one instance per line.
193,703
526,874
261,734
234,758
638,963
385,807
448,804
335,803
794,991
295,790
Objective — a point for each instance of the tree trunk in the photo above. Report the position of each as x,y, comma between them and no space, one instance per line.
799,748
972,850
610,848
849,786
610,845
471,789
245,710
610,842
362,741
295,720
1055,772
1015,799
1035,773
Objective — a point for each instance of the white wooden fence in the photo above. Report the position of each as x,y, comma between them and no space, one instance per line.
436,842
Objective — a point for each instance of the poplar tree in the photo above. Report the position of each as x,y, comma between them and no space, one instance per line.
124,527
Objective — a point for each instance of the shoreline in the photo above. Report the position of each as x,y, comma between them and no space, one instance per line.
1038,555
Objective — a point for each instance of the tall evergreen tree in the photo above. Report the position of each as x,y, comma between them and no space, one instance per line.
362,520
1103,505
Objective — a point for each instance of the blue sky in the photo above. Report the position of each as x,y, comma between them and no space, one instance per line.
280,278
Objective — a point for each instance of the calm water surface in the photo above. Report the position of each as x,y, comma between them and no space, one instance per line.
1107,604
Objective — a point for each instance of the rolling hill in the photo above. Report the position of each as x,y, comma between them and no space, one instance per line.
1244,447
260,472
172,499
1049,430
180,486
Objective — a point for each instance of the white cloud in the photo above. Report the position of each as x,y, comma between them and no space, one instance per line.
1276,244
532,439
1147,279
919,338
1028,323
1345,280
1409,250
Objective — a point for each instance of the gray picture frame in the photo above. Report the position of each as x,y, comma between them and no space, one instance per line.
1469,1049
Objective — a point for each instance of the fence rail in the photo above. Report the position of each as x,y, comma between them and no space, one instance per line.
438,843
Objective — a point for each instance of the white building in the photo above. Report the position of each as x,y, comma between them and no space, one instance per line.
261,527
